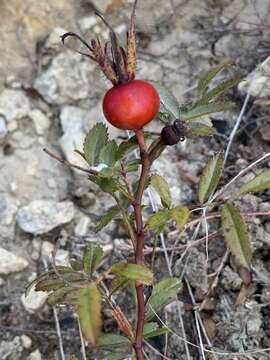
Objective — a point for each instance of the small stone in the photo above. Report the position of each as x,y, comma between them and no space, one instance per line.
67,79
81,228
8,209
41,216
196,269
41,122
35,355
53,41
14,104
3,128
2,282
34,300
254,321
230,279
26,341
257,82
87,22
72,121
12,125
10,263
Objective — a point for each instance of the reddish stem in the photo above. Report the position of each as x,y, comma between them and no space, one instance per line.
147,159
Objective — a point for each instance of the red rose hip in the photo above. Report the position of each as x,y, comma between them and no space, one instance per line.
131,105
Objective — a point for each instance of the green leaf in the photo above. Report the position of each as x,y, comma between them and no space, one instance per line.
92,258
219,90
158,220
152,329
89,311
126,146
236,235
49,284
94,141
163,294
133,272
107,218
180,215
118,283
64,271
111,340
66,295
259,183
168,100
198,111
108,153
162,188
210,177
106,184
207,77
200,129
132,165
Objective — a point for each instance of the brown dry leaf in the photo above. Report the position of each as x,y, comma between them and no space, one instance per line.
245,292
123,322
210,327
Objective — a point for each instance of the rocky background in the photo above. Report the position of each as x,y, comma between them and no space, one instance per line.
50,96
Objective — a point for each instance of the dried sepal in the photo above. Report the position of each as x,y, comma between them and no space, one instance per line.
131,47
118,65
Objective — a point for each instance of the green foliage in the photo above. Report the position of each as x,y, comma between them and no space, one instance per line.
210,177
107,341
65,295
89,312
106,184
91,259
94,141
168,101
158,221
259,183
133,272
208,76
152,329
163,293
108,154
180,214
199,129
199,111
162,188
107,218
235,234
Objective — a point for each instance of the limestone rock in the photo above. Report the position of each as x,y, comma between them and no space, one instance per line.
41,216
66,80
34,300
14,104
11,263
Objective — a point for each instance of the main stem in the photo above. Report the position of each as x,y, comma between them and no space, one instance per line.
140,235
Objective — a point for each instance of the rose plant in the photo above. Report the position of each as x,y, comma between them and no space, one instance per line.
130,104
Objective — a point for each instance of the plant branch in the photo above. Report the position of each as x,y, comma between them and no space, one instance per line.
67,163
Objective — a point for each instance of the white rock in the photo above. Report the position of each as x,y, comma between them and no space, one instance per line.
34,300
87,22
10,263
53,41
67,79
26,341
257,82
81,228
35,355
8,209
41,216
40,120
72,121
3,128
14,104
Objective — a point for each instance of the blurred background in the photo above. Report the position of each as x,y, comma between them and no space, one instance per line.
50,96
